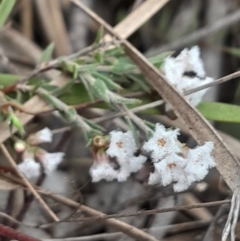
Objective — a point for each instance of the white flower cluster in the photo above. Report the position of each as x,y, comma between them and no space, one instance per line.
186,72
32,169
173,161
123,147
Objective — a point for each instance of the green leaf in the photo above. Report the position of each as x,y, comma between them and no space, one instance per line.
222,112
133,129
158,59
117,99
232,51
5,8
47,53
116,52
62,89
99,35
96,87
13,121
122,65
99,56
75,71
110,84
8,79
93,125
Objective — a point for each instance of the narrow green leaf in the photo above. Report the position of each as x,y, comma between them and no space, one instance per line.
99,56
62,89
97,87
75,71
220,111
66,66
99,35
47,53
94,125
232,51
133,129
117,99
5,8
116,52
13,121
110,84
139,81
7,79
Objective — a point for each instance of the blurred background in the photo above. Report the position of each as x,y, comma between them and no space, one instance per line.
211,24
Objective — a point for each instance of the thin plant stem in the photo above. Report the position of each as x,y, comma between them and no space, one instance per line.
27,183
13,234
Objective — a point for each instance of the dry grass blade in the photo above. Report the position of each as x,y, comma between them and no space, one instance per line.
52,19
27,18
218,81
173,228
200,129
27,183
137,18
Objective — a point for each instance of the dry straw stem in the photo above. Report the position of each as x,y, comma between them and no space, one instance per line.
145,212
108,219
137,18
200,129
27,183
168,229
53,22
114,223
218,81
12,234
229,20
27,17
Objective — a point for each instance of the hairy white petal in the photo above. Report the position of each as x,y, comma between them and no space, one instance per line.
50,161
124,172
162,143
44,135
102,171
171,168
122,145
154,178
199,161
175,70
136,163
30,168
181,186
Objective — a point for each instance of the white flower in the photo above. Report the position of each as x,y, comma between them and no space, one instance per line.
42,136
124,172
32,169
199,161
136,163
29,167
162,143
171,169
181,185
154,178
186,72
50,161
102,170
122,145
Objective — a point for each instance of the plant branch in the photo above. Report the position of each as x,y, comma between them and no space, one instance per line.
201,130
13,234
116,224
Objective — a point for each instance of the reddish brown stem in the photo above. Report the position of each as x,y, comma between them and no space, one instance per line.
13,234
